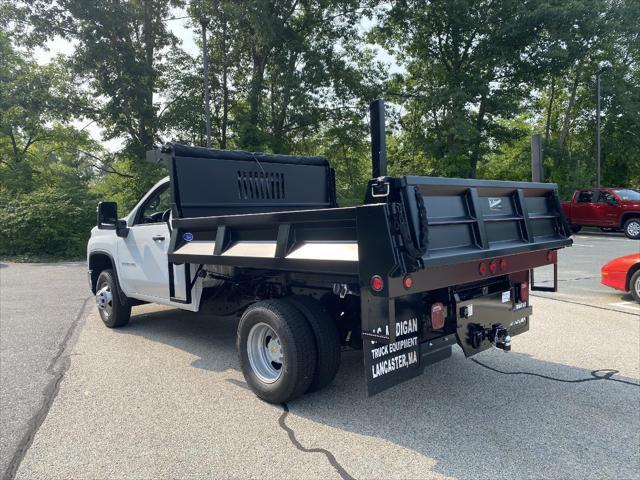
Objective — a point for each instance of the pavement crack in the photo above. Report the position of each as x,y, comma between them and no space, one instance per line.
57,367
568,279
292,436
584,304
602,374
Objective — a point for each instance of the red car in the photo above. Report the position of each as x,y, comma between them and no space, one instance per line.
623,273
607,208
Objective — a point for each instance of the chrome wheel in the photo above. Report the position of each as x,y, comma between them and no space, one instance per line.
633,229
265,353
104,300
637,287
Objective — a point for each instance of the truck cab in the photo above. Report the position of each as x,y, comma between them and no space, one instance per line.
135,249
607,208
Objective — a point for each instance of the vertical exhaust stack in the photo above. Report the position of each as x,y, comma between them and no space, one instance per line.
378,139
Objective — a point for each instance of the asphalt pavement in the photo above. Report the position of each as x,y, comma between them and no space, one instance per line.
165,398
579,271
40,308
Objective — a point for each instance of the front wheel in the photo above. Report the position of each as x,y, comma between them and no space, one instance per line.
632,228
277,350
112,312
634,286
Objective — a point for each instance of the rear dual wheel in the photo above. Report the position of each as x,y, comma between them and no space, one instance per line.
287,347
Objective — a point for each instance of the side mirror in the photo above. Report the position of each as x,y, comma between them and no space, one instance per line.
107,215
108,219
613,202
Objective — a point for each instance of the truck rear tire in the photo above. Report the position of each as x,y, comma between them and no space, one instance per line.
634,286
112,312
327,340
632,228
277,350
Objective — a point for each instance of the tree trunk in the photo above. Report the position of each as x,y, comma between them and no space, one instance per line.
225,87
547,129
567,115
475,153
250,138
146,120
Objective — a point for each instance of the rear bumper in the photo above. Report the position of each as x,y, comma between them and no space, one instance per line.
477,323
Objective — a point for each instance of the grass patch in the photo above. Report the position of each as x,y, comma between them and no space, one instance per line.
39,259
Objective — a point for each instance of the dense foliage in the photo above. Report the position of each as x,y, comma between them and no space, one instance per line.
467,83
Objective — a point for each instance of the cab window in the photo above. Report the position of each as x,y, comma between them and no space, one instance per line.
606,197
153,210
585,196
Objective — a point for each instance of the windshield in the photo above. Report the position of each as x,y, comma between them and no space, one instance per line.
627,194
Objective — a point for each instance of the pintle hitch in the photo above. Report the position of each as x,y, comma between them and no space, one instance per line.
496,334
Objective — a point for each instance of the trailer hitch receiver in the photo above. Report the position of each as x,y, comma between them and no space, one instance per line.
496,334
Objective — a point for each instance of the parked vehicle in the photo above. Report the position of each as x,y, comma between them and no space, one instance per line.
424,264
623,273
607,208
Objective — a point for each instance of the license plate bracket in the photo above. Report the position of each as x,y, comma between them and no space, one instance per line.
485,312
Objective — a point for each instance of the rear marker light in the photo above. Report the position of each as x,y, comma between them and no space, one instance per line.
482,268
524,292
437,316
493,266
376,283
503,265
550,256
407,282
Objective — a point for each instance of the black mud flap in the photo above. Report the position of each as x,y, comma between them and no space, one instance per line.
483,322
389,363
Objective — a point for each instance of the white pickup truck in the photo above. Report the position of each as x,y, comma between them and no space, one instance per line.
424,264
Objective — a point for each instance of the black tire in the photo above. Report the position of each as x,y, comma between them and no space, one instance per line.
634,286
118,314
297,344
632,228
575,228
327,340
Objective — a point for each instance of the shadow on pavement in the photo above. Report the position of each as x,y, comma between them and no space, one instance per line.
477,421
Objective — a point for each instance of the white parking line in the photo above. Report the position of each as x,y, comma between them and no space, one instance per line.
582,245
630,305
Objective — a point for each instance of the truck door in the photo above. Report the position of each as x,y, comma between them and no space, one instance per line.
143,253
608,209
584,210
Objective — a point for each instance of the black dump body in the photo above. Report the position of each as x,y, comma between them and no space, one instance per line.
279,213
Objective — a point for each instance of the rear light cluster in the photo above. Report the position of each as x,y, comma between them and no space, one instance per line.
376,283
438,314
524,292
493,267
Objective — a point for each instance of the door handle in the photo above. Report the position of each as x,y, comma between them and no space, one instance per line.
158,238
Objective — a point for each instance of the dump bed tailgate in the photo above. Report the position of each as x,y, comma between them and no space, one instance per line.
458,220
